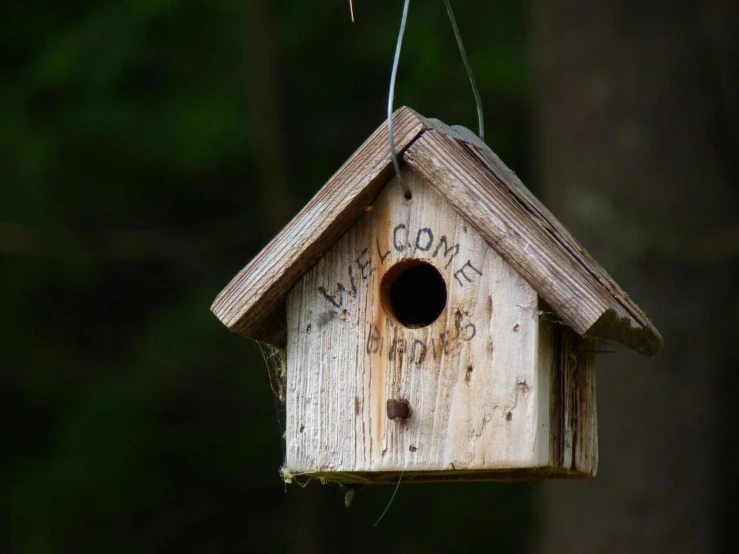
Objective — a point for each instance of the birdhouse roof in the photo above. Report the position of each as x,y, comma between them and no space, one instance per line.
487,195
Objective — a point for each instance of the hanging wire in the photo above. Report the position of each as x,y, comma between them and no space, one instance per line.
470,75
391,98
391,94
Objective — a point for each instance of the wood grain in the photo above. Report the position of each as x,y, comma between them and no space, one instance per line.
574,418
478,379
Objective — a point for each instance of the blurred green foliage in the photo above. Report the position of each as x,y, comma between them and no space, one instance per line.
129,196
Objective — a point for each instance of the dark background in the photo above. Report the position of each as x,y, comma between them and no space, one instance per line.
150,148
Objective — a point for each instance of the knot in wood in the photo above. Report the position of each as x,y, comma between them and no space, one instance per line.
398,409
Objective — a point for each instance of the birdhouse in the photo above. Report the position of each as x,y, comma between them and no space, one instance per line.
448,335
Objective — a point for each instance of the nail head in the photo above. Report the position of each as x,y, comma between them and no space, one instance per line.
398,409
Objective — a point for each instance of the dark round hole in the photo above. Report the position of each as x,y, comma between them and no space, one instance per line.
414,292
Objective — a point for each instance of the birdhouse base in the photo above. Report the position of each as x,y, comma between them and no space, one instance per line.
503,475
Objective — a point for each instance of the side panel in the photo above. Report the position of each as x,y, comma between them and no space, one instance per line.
573,413
472,378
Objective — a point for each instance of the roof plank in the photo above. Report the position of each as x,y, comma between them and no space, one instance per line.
253,304
495,202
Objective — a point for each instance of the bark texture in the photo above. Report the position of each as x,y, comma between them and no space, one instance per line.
637,147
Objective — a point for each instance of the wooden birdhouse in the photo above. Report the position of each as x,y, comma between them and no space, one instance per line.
448,336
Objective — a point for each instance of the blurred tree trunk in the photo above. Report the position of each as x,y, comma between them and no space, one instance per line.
263,86
638,151
306,507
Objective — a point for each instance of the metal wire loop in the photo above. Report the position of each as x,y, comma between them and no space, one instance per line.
391,98
394,75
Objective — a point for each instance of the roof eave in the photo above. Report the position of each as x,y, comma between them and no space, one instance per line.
253,303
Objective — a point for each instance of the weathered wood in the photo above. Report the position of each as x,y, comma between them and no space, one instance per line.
478,380
574,425
253,304
530,239
582,406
